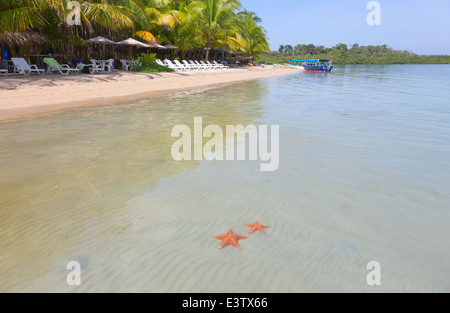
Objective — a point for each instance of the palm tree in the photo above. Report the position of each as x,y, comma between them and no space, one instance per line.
19,15
251,38
114,15
188,24
185,34
51,16
216,25
159,15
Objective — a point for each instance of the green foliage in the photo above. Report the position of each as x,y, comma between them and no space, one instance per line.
217,23
186,24
251,39
146,59
341,54
152,68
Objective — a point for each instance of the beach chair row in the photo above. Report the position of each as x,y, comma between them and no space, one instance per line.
22,66
98,66
191,65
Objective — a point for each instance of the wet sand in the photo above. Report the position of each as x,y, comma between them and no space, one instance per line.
24,96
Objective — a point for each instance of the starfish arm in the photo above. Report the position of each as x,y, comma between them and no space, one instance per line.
237,237
224,244
253,226
234,243
261,228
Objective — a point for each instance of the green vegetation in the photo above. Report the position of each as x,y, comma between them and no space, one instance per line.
152,68
195,26
146,59
148,65
342,54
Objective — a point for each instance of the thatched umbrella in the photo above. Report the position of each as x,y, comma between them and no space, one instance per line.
101,40
155,45
22,39
171,47
133,43
25,38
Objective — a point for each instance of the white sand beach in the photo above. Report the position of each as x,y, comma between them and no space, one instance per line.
24,96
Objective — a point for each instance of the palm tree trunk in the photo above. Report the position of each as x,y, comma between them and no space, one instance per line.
208,46
69,35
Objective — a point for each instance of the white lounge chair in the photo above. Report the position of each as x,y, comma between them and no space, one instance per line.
192,65
182,66
159,62
3,72
207,66
213,66
20,65
201,66
195,65
169,64
218,65
172,66
186,63
222,66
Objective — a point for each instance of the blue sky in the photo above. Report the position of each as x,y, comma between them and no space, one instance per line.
421,26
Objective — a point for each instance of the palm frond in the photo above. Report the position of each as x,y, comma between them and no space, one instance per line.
145,35
20,19
114,17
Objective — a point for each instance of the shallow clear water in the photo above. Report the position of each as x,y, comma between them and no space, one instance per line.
364,176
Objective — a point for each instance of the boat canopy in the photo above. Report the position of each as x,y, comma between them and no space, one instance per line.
297,60
317,60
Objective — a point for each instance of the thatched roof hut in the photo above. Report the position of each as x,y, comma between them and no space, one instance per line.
24,38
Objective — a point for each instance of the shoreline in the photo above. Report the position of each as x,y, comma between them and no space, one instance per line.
28,96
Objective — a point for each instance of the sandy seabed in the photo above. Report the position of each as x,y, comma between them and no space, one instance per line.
24,96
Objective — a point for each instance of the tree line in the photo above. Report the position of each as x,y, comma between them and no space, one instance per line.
354,54
199,25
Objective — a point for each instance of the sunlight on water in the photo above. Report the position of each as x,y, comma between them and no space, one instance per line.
364,176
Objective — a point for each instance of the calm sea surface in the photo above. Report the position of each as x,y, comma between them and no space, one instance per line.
364,176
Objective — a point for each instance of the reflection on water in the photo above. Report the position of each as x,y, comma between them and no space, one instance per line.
364,176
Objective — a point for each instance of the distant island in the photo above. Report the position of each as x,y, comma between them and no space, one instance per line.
355,54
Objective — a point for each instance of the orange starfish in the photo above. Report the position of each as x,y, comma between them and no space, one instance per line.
230,239
257,227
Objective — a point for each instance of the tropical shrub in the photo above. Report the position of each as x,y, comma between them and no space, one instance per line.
146,59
